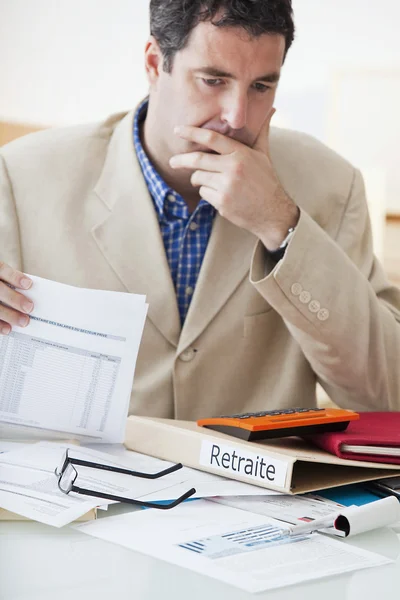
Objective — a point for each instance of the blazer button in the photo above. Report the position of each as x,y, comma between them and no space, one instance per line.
305,297
296,289
323,314
187,355
314,306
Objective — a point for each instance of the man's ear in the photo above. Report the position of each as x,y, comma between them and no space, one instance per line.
153,60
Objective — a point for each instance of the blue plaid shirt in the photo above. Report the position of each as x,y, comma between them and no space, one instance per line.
185,235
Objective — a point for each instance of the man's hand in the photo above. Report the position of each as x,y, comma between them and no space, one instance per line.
240,182
18,305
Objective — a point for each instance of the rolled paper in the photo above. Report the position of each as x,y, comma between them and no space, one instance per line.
358,519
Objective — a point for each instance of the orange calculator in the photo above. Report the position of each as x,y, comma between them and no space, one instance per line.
253,426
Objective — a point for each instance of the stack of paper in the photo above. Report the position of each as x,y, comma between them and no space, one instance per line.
29,485
70,373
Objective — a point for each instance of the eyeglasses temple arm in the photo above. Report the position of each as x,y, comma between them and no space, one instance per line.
86,463
172,504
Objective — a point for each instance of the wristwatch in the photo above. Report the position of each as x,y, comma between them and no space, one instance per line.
287,239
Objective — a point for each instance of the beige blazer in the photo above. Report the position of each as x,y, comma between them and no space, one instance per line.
74,208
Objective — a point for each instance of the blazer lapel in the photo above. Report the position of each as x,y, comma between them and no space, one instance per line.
129,236
127,232
226,263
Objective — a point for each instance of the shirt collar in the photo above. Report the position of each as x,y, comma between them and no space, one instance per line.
156,185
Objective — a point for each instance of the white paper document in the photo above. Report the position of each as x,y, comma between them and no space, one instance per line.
29,486
71,370
7,446
291,509
249,551
35,495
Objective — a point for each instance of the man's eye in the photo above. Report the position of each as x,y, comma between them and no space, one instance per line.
212,82
260,87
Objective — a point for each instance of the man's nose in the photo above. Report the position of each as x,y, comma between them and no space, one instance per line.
234,110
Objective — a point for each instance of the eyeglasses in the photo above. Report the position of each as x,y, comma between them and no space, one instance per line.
67,475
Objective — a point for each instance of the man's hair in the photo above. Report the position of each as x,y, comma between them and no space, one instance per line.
171,21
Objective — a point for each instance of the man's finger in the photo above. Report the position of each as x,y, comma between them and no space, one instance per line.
205,178
262,141
5,328
14,299
212,196
198,161
13,277
209,139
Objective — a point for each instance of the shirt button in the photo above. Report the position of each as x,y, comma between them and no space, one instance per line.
323,314
193,226
305,297
189,291
187,355
296,289
314,306
171,198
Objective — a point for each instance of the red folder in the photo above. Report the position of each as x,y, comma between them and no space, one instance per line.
378,434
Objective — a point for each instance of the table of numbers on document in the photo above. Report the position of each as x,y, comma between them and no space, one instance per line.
39,376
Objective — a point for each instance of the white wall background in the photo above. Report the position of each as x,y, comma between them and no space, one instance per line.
69,61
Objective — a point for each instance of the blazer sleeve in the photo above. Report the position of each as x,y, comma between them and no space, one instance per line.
339,306
10,248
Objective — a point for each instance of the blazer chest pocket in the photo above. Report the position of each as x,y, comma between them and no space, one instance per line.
260,324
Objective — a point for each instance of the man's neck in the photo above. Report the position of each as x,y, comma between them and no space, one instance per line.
158,155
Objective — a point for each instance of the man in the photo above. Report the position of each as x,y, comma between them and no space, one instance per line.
252,245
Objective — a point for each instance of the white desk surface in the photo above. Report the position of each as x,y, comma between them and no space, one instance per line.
38,562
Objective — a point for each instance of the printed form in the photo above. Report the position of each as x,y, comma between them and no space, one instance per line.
249,551
71,370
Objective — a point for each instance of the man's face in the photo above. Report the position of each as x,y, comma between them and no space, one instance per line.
222,80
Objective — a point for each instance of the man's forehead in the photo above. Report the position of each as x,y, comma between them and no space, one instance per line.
225,48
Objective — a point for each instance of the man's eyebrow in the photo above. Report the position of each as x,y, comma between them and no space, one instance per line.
213,72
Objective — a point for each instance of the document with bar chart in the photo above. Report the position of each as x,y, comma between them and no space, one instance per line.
71,370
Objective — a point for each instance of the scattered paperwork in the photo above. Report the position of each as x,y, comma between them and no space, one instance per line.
28,484
71,370
28,487
249,551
